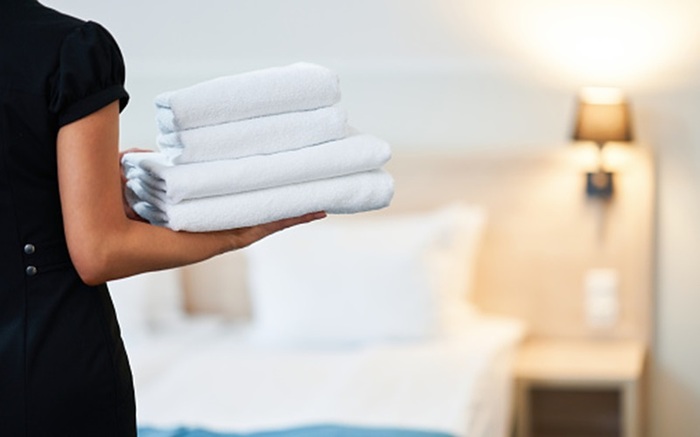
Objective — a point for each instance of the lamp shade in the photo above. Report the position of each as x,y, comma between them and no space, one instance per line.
603,115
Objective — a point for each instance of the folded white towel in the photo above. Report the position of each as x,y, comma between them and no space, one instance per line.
174,183
341,195
260,135
295,87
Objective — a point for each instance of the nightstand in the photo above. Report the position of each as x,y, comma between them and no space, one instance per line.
578,388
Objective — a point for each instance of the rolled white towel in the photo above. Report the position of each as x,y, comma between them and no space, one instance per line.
175,183
296,87
341,195
260,135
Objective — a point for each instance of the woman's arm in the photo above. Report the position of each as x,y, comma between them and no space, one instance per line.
103,243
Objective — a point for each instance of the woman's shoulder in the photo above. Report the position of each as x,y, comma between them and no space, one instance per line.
38,43
50,27
45,22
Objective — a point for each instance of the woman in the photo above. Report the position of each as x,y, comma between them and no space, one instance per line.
64,231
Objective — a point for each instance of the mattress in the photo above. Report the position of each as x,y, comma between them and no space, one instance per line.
458,385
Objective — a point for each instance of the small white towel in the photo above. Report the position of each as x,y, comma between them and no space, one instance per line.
175,183
260,135
342,195
295,87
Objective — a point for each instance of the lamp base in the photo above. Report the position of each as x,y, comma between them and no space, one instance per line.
599,184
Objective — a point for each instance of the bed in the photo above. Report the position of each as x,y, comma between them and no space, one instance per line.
452,387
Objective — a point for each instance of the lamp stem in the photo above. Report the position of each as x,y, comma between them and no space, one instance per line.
599,183
601,167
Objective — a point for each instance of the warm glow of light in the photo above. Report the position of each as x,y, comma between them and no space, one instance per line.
585,156
601,42
613,42
597,95
616,156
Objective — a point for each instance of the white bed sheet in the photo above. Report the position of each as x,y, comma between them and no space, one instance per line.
458,385
152,352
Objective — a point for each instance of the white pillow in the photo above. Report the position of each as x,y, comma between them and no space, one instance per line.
147,302
343,281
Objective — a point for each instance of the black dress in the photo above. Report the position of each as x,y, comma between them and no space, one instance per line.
63,368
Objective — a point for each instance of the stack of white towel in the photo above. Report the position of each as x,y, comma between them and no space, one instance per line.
253,148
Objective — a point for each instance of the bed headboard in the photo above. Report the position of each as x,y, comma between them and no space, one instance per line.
542,236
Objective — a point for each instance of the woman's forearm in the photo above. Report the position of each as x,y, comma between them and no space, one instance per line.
139,247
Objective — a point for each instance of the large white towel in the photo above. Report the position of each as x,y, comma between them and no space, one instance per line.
295,87
260,135
341,195
174,183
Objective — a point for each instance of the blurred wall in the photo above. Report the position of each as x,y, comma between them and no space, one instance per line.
467,74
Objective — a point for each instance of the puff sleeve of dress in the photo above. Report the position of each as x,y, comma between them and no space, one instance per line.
90,74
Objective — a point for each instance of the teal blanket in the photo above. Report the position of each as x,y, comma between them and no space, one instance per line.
310,431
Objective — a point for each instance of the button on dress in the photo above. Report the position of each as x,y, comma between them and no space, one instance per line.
63,367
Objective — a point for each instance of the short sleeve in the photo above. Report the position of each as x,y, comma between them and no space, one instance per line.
90,74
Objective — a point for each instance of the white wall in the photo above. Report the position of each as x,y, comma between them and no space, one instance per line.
464,73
